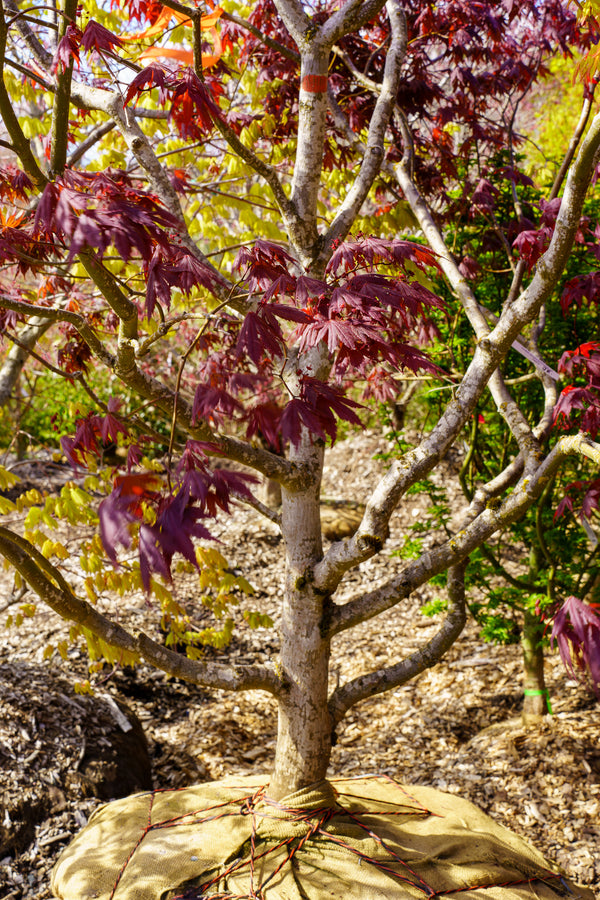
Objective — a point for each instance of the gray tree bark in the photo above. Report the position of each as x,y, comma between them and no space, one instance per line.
18,355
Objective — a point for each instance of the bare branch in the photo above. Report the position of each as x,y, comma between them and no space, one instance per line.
20,144
18,354
287,208
447,262
574,142
374,150
96,135
62,315
59,129
457,548
544,426
493,488
514,417
29,73
294,18
256,504
352,16
40,53
121,305
269,42
268,464
13,599
180,7
48,583
364,686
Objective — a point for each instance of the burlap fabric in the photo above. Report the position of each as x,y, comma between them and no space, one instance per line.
357,839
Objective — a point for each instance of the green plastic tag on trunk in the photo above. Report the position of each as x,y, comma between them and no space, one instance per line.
543,693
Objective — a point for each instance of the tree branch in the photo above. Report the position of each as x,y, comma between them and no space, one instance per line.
157,174
29,73
489,491
287,208
260,507
436,241
574,143
20,144
460,546
124,308
124,365
272,44
140,146
364,686
552,263
490,350
59,128
18,354
352,16
294,18
62,315
374,151
48,583
514,417
95,135
38,50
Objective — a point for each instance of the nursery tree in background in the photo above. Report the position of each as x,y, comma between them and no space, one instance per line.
514,582
217,231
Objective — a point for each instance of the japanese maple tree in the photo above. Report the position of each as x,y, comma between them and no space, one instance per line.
203,232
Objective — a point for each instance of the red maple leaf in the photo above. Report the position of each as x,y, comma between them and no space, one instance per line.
576,631
67,50
96,38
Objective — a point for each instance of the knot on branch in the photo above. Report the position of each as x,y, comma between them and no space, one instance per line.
370,543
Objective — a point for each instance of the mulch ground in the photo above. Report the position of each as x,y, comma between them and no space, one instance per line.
456,727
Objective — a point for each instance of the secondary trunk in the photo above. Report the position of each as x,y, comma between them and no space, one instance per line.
535,695
535,699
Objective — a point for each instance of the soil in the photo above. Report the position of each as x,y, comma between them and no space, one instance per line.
456,727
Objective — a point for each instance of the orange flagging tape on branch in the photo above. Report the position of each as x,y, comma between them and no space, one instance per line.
314,84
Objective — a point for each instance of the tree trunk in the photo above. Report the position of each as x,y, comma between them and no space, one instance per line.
304,726
535,700
535,696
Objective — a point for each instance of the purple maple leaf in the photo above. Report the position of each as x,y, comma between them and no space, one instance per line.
193,107
152,76
67,50
260,334
97,38
576,631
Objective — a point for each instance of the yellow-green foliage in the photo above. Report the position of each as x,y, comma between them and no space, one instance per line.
7,479
556,106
